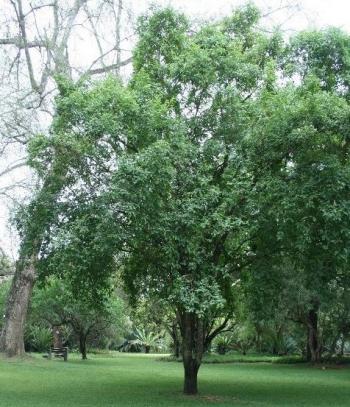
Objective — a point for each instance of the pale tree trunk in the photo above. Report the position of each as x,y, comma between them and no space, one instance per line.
40,214
56,41
192,331
12,335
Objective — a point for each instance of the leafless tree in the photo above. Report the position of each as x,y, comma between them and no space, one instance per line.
41,39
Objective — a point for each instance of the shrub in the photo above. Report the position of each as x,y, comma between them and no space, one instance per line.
39,338
223,344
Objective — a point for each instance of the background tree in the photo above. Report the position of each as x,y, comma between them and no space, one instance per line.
55,306
60,159
40,42
36,45
302,195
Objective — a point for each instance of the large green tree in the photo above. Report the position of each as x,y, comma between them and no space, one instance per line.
55,305
225,156
298,154
172,200
183,192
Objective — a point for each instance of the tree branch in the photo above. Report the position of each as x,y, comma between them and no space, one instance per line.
19,43
22,26
108,68
12,168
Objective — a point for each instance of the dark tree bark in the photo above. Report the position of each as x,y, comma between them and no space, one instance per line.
314,346
191,368
211,331
177,348
174,333
82,345
12,335
192,331
342,346
258,338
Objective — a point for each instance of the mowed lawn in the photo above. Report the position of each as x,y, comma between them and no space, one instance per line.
142,380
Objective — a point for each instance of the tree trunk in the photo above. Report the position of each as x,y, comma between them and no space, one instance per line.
307,352
190,382
192,349
12,335
274,349
82,346
313,340
177,348
342,346
40,215
175,338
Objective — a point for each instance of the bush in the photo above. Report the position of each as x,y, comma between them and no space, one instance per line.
39,338
223,344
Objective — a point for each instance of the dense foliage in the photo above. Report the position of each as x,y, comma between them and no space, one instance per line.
215,182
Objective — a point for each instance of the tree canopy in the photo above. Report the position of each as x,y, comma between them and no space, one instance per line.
218,173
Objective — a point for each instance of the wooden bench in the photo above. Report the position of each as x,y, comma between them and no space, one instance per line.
59,353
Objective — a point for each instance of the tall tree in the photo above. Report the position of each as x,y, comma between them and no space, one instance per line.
299,155
38,42
182,193
61,160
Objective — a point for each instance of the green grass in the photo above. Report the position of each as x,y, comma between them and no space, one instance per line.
142,380
237,357
234,358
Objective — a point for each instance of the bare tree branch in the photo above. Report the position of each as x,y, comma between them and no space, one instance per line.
109,68
37,41
19,43
23,29
13,167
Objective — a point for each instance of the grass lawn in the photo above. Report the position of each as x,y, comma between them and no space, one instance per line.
142,380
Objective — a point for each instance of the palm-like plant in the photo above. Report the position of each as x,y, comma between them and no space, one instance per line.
40,338
223,344
148,340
